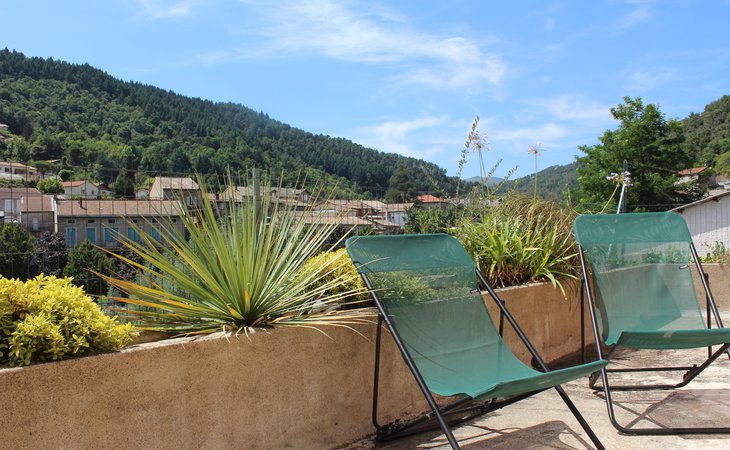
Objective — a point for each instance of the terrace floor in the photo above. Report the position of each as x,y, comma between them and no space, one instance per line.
543,421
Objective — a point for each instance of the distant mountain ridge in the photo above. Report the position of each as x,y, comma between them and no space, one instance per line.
551,182
86,118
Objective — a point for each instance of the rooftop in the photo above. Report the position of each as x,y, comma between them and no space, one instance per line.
543,420
185,183
118,208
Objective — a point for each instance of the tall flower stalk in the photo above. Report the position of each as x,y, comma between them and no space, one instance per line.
623,182
537,151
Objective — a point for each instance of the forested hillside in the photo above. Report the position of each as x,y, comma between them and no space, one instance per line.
114,131
707,135
551,182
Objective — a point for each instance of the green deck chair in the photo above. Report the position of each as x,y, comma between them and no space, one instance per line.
645,298
426,288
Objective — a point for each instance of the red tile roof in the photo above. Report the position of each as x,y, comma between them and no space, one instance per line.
429,199
692,171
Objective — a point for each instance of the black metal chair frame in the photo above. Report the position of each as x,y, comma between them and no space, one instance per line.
461,409
690,372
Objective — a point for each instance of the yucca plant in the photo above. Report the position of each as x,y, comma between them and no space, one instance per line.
238,271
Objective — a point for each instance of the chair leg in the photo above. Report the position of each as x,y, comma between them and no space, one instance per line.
691,372
579,417
652,431
396,429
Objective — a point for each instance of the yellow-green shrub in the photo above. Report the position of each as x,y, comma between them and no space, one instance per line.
47,318
336,270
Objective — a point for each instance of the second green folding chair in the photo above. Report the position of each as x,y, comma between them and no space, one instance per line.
645,298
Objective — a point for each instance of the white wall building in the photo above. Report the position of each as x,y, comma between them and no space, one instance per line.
708,221
81,188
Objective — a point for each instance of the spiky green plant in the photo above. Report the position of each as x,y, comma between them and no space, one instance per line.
521,240
238,271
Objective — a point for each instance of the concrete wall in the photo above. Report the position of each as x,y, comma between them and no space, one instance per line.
287,388
709,222
550,320
719,278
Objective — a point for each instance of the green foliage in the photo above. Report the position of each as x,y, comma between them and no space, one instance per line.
718,254
16,246
87,265
722,166
401,187
707,135
338,276
11,183
50,255
244,271
48,318
653,148
50,186
65,174
404,287
431,220
554,181
521,240
665,256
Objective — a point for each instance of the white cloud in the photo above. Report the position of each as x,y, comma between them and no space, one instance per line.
573,108
165,9
639,15
524,137
369,35
413,137
642,81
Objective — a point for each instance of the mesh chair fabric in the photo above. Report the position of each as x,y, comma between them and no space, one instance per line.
428,288
640,264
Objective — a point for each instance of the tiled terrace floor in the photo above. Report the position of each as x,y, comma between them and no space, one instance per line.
543,421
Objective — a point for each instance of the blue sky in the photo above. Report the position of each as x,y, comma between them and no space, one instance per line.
406,77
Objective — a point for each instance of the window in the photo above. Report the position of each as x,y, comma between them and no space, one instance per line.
90,221
70,221
132,234
91,235
70,237
110,236
155,234
36,224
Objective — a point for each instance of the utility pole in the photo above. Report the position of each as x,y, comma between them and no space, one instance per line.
256,186
625,203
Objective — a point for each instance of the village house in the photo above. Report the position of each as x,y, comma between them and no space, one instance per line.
301,198
28,207
708,221
80,189
374,212
102,221
36,213
18,171
430,201
700,176
10,203
176,188
396,213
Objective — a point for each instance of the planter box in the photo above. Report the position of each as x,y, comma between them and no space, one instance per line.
287,388
550,320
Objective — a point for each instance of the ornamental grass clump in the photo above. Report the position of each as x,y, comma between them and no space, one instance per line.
48,318
246,268
521,240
